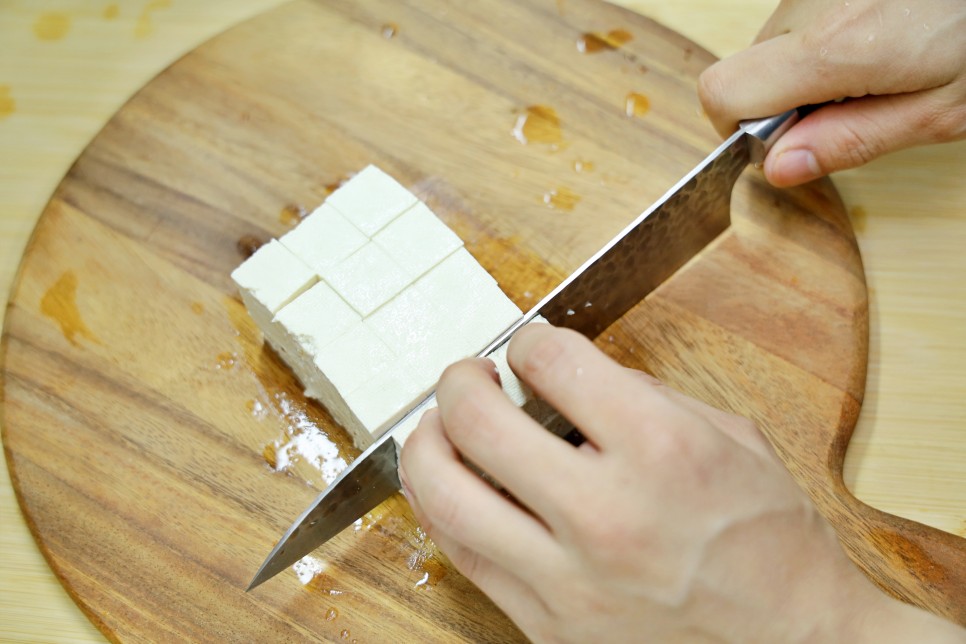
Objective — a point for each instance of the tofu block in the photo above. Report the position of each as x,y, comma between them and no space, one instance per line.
417,240
369,299
270,279
371,199
367,279
324,238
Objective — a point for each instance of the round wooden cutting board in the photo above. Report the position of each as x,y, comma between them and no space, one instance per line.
159,450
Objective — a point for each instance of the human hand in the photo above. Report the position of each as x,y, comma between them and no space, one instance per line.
901,65
674,521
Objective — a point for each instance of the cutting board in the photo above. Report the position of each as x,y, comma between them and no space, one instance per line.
159,449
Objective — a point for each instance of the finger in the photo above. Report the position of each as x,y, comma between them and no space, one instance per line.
502,440
847,135
600,398
454,500
819,63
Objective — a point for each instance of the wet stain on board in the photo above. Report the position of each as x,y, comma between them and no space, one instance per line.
538,124
145,23
592,43
7,103
561,198
59,304
51,25
636,105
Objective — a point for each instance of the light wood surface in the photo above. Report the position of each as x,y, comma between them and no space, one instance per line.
907,455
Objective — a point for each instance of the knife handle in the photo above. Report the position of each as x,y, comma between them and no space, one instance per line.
762,133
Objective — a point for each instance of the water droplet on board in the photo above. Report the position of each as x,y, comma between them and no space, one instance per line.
247,245
59,303
592,43
539,124
292,214
335,185
583,166
331,614
561,198
636,105
51,25
389,30
345,634
226,360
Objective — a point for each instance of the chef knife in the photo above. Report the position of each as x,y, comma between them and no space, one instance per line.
635,262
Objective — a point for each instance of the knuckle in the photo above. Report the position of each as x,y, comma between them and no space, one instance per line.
943,123
712,92
857,144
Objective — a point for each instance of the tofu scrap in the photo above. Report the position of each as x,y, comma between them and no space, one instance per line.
369,298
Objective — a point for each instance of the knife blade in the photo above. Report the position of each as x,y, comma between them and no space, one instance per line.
635,262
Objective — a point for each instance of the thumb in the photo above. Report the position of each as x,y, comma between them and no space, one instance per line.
850,134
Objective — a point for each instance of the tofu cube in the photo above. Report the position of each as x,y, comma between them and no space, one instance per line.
270,279
417,240
450,313
371,199
324,238
308,325
367,279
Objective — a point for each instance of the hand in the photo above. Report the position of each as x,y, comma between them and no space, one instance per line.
673,522
900,64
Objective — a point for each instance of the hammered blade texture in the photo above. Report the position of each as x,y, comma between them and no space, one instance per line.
666,236
370,480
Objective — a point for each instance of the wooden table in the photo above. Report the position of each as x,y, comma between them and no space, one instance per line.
67,66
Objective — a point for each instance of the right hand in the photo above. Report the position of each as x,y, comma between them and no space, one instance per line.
900,64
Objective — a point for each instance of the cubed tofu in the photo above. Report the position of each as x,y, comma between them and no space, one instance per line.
309,323
369,299
324,238
270,279
417,240
450,313
367,279
381,401
371,199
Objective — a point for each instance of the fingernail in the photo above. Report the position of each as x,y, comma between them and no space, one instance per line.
407,493
793,167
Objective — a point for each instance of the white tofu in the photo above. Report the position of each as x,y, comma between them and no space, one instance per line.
450,313
355,356
371,199
399,299
418,240
269,279
381,401
367,279
324,238
516,390
309,323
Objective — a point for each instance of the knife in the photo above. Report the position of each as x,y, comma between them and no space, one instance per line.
635,262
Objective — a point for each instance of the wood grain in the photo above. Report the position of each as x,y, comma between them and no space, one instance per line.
146,223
